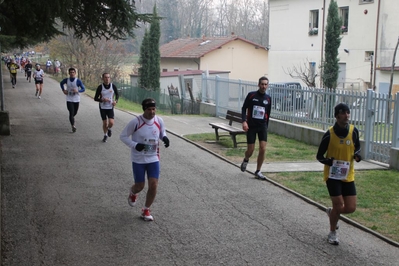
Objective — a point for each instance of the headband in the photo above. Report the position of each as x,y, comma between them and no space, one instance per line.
148,105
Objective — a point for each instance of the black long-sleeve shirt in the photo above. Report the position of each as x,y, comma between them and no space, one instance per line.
256,98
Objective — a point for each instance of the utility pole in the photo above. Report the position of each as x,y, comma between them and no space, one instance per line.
391,81
371,71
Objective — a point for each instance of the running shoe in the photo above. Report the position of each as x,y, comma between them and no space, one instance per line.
328,211
244,165
259,175
146,215
73,129
39,97
109,132
333,238
132,199
36,93
105,138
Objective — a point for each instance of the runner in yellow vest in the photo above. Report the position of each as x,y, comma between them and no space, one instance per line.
12,67
341,146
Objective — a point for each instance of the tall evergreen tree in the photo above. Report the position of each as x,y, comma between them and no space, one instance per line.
144,59
333,41
155,35
149,71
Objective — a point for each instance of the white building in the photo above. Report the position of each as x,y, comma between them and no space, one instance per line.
369,36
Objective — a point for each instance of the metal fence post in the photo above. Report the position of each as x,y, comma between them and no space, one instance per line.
369,127
395,131
217,85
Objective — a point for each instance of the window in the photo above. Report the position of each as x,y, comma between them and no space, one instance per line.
368,56
344,13
366,1
312,71
313,22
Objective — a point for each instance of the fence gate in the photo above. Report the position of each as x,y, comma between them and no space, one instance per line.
379,126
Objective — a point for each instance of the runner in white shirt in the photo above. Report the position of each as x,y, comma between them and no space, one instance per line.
38,75
74,86
142,135
107,96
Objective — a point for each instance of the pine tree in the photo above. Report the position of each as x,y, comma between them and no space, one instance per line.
333,41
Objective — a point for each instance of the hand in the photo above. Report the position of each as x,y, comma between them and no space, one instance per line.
140,146
357,157
165,141
330,161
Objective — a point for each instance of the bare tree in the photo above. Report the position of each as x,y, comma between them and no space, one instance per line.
305,72
90,58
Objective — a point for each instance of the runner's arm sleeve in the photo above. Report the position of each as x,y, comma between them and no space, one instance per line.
356,142
126,133
62,83
80,85
323,149
97,96
244,109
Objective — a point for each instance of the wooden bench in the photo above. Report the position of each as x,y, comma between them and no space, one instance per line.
233,131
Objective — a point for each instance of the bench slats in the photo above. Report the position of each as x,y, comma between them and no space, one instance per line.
233,131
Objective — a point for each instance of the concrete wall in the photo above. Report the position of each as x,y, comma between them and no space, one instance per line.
394,158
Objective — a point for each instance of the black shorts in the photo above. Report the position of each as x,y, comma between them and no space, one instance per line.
107,113
38,81
340,188
252,132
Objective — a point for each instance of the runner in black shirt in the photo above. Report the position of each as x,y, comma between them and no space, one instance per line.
255,120
28,70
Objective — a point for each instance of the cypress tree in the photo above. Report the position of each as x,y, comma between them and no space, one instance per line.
150,56
333,41
144,58
155,54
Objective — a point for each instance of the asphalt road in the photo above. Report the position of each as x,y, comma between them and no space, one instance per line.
64,201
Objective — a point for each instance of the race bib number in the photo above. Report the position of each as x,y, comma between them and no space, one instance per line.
258,112
150,146
339,170
107,104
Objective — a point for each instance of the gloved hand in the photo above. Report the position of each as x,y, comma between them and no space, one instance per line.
329,161
165,141
140,146
357,157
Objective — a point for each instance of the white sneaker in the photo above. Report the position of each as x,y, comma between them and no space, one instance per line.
259,175
333,238
39,97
